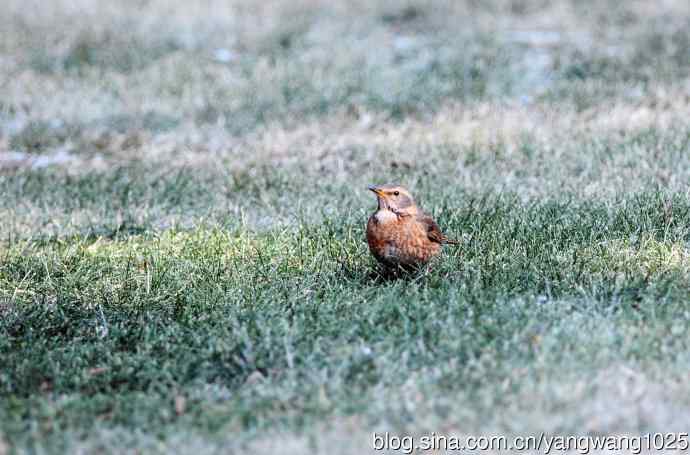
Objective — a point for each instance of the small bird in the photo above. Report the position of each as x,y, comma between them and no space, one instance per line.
400,235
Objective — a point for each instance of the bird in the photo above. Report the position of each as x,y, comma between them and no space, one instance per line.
401,236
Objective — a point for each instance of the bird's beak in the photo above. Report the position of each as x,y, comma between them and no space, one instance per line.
378,191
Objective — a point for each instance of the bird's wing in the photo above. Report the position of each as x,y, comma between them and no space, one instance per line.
432,230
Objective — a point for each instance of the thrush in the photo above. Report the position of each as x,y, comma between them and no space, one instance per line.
400,234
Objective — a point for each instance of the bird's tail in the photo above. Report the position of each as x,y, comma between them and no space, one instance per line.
451,241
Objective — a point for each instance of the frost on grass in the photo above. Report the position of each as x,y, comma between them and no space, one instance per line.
182,263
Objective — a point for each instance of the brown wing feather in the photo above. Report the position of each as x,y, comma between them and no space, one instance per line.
433,231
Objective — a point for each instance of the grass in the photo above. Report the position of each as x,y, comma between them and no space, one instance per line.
182,257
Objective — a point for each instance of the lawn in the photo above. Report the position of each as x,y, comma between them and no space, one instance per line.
183,195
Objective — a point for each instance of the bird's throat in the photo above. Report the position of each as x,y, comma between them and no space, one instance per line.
385,216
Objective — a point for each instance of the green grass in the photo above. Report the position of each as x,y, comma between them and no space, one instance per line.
288,326
182,257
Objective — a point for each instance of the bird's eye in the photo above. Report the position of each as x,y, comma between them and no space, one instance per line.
396,193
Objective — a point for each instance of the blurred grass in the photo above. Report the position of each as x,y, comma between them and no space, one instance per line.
182,263
242,72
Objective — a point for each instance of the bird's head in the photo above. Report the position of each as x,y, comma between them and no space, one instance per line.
394,197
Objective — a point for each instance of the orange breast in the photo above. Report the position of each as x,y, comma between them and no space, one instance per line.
402,241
